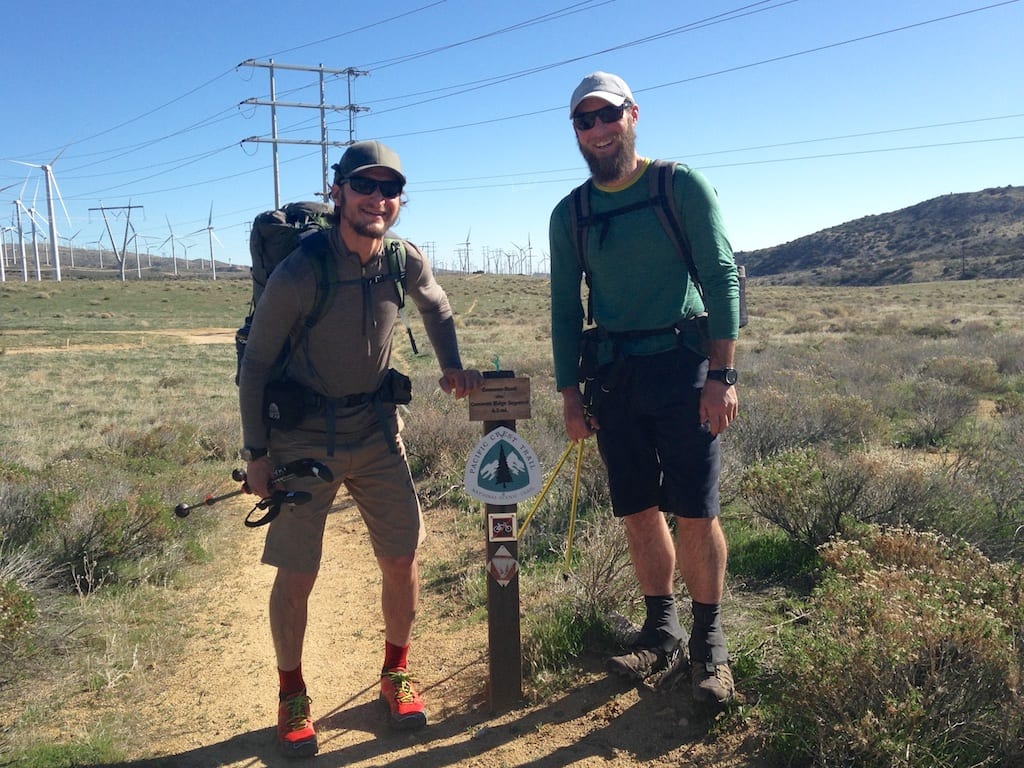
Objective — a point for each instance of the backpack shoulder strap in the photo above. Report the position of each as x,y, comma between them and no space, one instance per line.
394,249
579,217
318,249
660,182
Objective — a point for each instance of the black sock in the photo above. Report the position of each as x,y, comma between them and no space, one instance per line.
707,640
661,627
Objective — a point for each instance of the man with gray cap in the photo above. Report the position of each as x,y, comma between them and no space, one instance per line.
663,354
348,421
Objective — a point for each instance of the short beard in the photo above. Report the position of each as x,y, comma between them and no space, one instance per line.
606,170
374,230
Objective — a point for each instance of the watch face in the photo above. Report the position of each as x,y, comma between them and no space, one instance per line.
726,375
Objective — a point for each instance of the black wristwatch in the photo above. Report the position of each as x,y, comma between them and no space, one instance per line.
727,376
251,454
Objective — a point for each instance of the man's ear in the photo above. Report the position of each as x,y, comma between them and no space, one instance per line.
336,194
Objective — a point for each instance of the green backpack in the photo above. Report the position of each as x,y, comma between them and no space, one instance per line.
276,234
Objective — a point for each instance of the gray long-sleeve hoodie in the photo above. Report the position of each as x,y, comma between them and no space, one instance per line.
349,349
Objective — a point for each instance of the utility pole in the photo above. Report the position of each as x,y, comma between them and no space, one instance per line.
119,255
323,106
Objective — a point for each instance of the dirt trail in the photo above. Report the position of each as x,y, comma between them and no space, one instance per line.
217,707
213,703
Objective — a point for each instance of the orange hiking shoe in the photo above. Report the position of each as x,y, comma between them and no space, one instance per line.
405,707
295,734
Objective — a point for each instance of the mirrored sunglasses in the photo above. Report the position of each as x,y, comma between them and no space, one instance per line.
364,185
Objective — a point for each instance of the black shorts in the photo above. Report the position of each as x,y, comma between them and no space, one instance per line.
651,439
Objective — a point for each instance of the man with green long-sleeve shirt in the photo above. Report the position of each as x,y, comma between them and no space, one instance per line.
666,377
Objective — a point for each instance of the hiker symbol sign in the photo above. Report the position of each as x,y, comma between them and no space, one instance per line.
502,469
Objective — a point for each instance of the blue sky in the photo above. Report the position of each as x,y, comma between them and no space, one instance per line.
804,114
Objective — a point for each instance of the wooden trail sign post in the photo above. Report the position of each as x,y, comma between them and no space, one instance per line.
502,470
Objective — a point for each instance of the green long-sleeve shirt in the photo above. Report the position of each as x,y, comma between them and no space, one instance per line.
638,279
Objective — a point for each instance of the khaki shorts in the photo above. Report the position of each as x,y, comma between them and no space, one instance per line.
378,481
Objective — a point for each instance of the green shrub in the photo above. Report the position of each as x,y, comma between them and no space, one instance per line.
769,556
570,611
774,420
803,493
971,371
107,536
17,612
911,656
928,411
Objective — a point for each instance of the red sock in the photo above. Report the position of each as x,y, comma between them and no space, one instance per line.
395,656
291,681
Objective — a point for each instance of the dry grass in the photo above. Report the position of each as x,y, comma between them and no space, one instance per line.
116,416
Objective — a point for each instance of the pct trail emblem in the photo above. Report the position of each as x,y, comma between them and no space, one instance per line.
502,469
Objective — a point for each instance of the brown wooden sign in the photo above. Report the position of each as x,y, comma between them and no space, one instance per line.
506,395
500,399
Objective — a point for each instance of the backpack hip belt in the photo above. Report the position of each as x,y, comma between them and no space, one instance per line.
395,388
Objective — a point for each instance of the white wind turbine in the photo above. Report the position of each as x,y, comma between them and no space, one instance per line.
51,187
465,253
3,256
71,246
209,230
174,257
18,208
33,216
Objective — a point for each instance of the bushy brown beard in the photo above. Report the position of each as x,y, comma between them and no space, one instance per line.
606,170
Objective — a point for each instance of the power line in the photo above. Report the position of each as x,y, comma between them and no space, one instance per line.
694,78
532,180
458,90
352,31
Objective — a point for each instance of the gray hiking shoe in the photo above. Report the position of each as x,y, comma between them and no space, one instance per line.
641,663
712,683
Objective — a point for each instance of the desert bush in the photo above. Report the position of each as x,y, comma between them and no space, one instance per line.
569,610
986,476
814,494
927,412
17,614
106,539
437,440
970,371
775,420
25,579
804,493
1008,352
910,656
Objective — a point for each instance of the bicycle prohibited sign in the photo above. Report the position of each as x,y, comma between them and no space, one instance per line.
501,526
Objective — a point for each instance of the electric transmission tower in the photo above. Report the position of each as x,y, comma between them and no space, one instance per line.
323,106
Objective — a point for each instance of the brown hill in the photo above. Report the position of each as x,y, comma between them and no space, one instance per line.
965,235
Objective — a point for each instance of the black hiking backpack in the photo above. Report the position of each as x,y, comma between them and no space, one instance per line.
275,234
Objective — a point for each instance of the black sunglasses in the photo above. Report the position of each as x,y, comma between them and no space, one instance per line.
364,185
584,121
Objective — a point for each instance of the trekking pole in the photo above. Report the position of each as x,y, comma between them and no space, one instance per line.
238,475
572,512
544,492
289,471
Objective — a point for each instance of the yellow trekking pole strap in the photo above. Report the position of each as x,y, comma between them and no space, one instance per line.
544,491
572,513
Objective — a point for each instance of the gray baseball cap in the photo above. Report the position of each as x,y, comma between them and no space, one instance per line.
610,88
367,154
